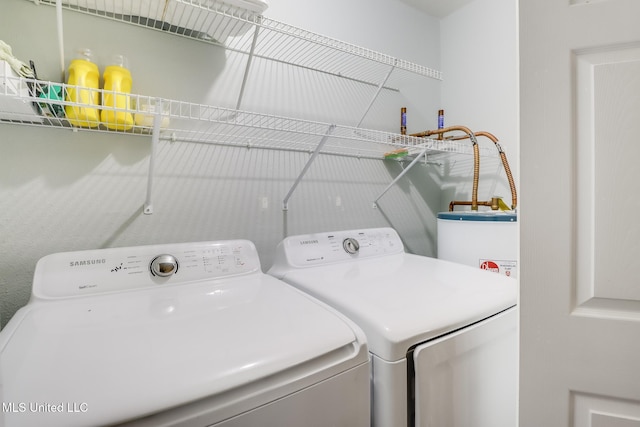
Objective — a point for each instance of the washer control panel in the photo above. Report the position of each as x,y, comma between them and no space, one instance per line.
72,274
325,248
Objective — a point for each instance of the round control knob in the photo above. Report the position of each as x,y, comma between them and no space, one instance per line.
351,245
164,265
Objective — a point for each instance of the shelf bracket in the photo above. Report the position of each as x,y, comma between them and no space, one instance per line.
416,160
285,202
155,137
60,36
375,95
249,61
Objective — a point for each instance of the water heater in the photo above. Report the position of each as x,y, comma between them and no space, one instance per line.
487,240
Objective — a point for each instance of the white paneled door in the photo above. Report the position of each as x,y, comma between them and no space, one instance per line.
580,213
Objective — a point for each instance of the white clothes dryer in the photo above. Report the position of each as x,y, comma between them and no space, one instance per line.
442,336
187,334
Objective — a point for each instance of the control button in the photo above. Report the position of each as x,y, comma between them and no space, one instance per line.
164,265
351,245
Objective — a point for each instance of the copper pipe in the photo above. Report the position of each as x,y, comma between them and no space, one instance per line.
476,164
505,164
476,155
493,204
464,129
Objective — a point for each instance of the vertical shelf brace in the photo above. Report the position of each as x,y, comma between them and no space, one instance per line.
375,95
248,66
60,36
155,137
285,202
416,160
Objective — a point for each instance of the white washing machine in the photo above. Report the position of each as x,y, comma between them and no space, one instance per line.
442,336
181,334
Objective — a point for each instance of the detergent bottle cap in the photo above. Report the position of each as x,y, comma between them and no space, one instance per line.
119,60
84,53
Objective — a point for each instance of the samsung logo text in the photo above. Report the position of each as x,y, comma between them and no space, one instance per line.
87,262
309,242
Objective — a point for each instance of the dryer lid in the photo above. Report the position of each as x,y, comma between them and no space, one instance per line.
121,356
403,300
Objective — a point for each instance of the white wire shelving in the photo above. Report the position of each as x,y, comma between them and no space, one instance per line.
40,103
25,101
258,37
214,21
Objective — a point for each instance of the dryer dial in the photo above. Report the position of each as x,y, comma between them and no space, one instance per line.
164,265
351,245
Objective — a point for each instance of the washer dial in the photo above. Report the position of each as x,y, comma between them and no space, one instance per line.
351,245
164,265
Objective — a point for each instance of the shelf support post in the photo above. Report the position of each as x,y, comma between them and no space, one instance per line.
249,61
155,137
60,36
375,95
416,160
285,202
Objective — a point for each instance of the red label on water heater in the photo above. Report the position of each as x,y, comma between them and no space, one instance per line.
506,267
490,265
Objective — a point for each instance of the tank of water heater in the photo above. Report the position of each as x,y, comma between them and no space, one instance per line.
487,240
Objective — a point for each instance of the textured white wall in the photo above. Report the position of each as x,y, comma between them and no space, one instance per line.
62,190
479,59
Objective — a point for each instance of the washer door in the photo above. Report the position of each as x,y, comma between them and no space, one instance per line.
470,377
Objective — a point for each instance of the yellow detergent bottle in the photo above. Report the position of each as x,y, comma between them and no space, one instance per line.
116,98
83,91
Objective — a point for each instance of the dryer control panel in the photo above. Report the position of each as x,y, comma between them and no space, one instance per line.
70,274
338,246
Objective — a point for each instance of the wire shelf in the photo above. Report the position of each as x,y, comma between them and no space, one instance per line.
215,22
41,103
